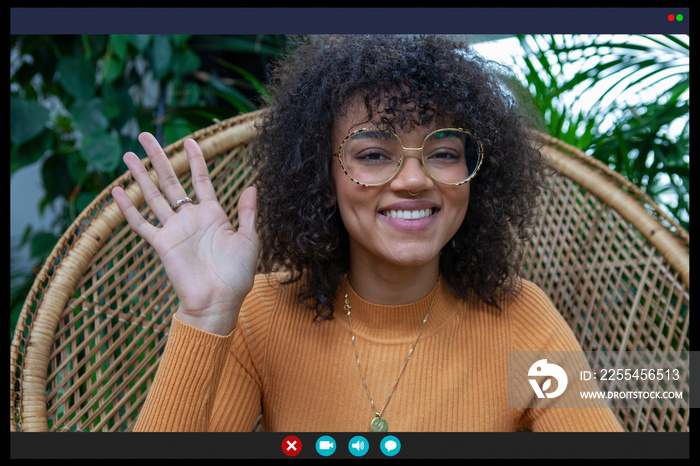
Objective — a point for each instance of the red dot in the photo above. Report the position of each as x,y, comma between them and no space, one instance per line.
671,17
291,446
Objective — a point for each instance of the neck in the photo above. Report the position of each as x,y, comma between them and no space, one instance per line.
393,285
398,323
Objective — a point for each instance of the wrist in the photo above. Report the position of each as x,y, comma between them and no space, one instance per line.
218,322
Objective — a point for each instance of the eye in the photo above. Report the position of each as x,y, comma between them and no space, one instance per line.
444,156
372,156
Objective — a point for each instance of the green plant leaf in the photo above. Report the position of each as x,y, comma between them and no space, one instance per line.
42,243
102,151
177,129
112,69
185,63
161,56
27,119
252,80
232,95
89,116
259,45
31,151
625,126
118,105
139,41
77,77
55,178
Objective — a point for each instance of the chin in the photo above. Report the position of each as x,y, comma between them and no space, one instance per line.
410,259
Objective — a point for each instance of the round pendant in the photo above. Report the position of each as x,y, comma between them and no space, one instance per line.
379,424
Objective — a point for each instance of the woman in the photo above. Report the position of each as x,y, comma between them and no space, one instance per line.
396,184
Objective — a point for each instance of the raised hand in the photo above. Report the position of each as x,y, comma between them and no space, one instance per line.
210,265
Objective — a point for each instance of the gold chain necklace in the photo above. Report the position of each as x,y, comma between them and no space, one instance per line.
379,424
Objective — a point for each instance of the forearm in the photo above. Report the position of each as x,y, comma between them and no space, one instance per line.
219,322
183,391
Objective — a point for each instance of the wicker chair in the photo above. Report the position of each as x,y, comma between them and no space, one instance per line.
95,323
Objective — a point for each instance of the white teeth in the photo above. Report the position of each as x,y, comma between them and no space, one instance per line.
408,214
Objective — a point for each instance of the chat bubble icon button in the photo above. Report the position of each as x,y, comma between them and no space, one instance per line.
390,445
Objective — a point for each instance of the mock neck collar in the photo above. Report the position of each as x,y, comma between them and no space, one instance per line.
396,324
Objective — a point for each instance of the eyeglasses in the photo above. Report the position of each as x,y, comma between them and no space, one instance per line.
373,157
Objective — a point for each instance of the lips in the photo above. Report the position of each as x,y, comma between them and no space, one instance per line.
410,215
410,209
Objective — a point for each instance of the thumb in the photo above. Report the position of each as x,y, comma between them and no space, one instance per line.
248,211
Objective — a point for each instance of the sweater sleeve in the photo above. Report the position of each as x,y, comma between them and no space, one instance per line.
539,329
207,382
182,395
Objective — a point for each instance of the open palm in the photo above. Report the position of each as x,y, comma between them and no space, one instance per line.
210,265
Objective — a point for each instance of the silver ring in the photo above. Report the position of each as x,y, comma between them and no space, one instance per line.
179,202
414,195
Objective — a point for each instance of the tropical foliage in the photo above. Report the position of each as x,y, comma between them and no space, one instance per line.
77,103
622,99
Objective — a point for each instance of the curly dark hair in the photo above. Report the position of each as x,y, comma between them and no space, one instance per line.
424,78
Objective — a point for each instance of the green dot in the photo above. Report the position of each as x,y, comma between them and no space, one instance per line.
679,17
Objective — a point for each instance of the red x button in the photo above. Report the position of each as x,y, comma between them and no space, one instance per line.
291,446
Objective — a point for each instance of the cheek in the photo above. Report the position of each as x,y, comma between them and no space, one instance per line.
465,200
342,195
336,181
351,203
458,197
460,203
346,192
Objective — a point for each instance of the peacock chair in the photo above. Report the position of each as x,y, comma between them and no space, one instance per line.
95,323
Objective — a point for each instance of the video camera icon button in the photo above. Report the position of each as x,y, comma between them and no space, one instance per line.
325,445
358,445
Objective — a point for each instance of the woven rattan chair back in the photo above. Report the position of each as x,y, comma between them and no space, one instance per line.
617,268
96,321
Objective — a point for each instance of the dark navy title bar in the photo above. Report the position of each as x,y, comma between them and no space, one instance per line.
349,20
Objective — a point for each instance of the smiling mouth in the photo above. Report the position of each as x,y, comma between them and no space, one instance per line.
408,214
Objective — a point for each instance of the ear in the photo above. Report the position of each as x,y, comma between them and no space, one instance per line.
332,196
332,201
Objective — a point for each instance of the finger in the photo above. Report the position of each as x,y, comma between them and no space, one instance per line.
200,172
151,193
167,180
132,215
248,212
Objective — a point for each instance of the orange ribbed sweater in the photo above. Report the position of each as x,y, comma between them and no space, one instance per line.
303,376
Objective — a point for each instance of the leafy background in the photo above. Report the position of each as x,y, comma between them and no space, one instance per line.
77,103
622,99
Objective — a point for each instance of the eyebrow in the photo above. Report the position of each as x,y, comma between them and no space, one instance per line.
445,133
375,133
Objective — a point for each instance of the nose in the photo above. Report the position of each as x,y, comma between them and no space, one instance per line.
412,175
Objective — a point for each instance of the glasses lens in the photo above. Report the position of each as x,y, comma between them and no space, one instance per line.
451,156
372,156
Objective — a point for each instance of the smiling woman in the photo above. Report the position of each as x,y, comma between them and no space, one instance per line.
396,181
393,83
399,222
